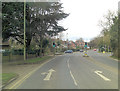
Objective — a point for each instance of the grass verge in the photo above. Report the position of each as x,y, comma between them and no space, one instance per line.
7,77
114,57
29,61
34,60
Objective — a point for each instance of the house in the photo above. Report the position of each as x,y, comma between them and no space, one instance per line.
72,45
80,43
4,45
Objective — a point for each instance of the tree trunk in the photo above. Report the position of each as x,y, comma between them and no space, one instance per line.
28,46
41,48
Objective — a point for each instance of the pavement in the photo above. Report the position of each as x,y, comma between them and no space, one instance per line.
72,71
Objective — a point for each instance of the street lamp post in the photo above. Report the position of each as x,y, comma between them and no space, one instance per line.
67,40
24,30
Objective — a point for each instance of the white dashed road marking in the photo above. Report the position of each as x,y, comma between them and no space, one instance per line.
71,73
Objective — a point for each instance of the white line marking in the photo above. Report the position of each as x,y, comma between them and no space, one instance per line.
47,78
68,63
73,78
43,73
71,73
99,73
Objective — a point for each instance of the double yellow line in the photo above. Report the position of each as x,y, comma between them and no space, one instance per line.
17,84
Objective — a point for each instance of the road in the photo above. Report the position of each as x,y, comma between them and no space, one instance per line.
73,71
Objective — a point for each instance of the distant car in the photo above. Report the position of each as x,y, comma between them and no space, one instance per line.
69,51
94,49
81,50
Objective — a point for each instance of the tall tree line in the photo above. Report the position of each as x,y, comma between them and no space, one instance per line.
41,21
108,39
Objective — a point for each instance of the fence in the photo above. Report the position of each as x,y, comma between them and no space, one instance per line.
17,55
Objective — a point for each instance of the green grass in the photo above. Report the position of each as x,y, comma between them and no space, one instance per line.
29,61
34,60
115,57
6,77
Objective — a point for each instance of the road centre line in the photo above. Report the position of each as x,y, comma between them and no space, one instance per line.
73,78
68,63
18,83
71,73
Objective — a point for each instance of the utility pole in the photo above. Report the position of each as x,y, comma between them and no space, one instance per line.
67,40
24,29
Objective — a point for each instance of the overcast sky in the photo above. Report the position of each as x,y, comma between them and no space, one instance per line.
85,16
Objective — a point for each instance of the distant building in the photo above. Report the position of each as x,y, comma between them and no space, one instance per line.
11,43
80,43
72,45
4,45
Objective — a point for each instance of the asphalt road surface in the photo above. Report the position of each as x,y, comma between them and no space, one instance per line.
73,71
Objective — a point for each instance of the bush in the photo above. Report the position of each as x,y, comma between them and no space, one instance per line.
31,51
17,52
73,50
6,53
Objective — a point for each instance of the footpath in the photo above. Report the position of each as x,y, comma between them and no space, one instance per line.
20,70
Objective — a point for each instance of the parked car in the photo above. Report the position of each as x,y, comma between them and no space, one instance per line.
69,51
81,50
94,49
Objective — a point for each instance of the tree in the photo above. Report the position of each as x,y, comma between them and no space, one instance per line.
109,33
12,25
12,20
48,17
81,40
41,21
